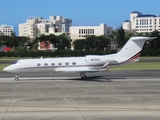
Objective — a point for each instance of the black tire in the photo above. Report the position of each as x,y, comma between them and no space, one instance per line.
16,79
84,78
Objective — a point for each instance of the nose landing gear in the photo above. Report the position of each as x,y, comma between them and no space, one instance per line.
16,78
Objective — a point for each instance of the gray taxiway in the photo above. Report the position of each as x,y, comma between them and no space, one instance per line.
112,95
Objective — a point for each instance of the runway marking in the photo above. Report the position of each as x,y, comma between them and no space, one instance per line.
8,106
45,79
77,108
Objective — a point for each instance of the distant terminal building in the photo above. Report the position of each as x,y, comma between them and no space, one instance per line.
142,23
81,32
35,26
6,29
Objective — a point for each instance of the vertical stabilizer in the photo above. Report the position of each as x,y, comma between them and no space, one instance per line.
133,46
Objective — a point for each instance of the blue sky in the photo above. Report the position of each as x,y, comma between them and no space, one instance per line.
82,12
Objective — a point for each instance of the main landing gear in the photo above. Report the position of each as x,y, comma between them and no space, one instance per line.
16,78
83,76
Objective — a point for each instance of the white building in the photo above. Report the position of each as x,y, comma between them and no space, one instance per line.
36,26
6,29
29,29
81,32
127,25
142,23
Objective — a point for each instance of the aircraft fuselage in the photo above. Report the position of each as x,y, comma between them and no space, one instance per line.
66,64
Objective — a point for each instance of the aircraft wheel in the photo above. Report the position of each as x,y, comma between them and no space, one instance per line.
84,78
16,78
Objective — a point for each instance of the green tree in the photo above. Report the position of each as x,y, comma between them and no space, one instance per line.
79,44
45,39
128,35
154,44
63,42
23,43
101,43
34,44
60,42
90,45
113,40
54,40
121,37
1,40
14,42
9,41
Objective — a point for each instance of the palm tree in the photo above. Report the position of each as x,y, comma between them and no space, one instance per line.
121,37
113,40
23,42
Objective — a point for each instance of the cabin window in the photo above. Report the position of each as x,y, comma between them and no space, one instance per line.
59,63
45,64
38,64
74,63
52,64
67,63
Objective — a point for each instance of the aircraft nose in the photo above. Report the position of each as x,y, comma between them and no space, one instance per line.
6,69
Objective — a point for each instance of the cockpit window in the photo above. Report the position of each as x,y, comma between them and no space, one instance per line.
16,63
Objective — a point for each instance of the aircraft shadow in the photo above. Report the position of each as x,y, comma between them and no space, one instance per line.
96,79
89,79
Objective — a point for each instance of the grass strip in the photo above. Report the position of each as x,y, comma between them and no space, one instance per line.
3,66
9,58
150,58
139,66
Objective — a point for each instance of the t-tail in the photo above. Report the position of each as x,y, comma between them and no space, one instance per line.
131,50
133,47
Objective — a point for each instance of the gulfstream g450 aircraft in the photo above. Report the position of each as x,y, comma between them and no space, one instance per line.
89,63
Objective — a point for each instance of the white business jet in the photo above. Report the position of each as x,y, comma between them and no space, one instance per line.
89,63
